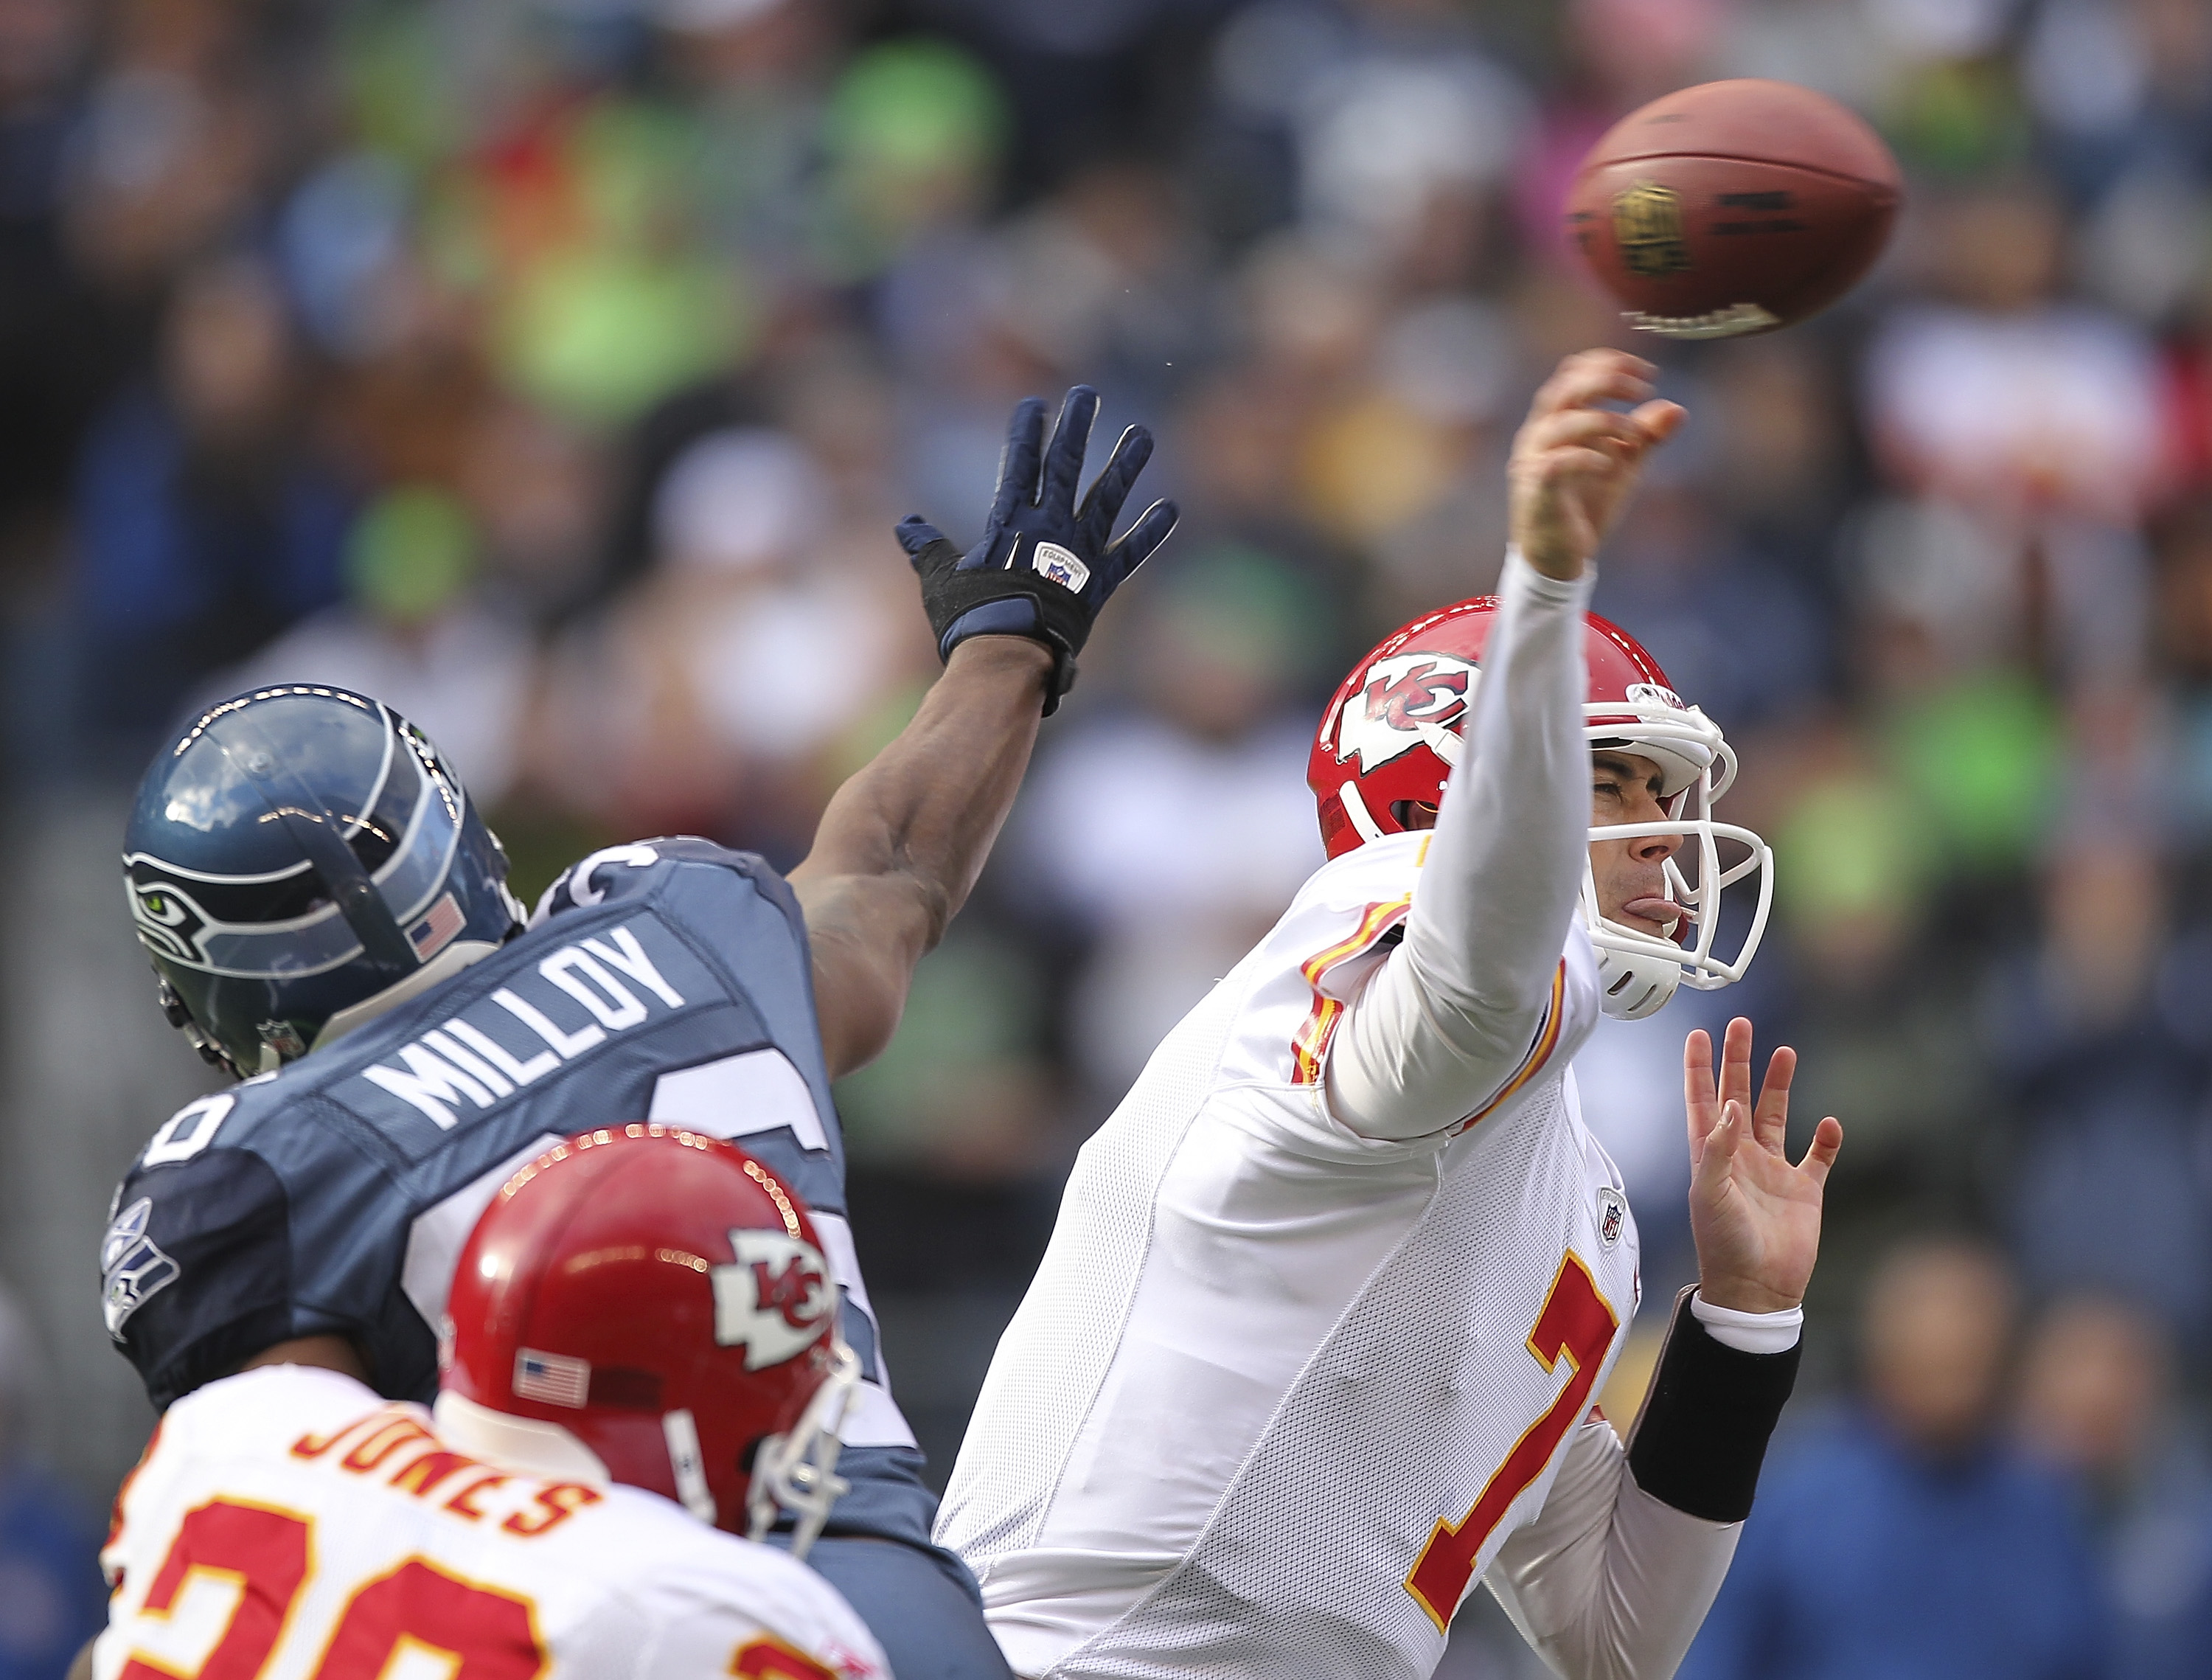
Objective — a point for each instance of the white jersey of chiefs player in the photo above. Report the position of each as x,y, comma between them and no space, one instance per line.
1308,1355
289,1524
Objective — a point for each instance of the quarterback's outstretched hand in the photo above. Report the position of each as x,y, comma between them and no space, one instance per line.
1044,566
1575,462
1756,1218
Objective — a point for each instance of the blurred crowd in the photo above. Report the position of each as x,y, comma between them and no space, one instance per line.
556,369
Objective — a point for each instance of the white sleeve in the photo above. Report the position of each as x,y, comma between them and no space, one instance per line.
1609,1582
1450,1018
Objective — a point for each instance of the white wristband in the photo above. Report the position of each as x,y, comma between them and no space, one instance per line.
1749,1332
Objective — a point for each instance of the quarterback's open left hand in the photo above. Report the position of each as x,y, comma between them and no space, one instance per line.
1044,566
1756,1218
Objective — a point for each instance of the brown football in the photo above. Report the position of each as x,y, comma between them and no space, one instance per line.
1733,207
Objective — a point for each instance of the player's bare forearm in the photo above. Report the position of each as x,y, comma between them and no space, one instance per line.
901,844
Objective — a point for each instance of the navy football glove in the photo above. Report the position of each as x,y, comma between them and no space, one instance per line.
1045,566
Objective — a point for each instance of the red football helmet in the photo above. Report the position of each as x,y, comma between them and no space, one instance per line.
1391,737
644,1305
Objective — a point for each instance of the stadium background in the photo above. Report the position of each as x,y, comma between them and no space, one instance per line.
555,372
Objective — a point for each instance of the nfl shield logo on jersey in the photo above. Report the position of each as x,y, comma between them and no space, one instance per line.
1611,1216
772,1302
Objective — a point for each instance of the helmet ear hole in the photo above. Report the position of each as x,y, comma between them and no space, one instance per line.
1412,814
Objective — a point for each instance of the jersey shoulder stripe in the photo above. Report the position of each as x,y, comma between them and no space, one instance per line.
1540,1052
1310,1044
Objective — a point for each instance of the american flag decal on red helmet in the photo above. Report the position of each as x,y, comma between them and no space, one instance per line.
556,1379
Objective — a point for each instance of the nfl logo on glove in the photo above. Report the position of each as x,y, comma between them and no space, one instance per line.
1051,560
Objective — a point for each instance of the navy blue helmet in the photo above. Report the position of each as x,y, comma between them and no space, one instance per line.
298,850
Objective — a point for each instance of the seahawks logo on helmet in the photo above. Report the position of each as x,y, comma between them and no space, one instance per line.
167,922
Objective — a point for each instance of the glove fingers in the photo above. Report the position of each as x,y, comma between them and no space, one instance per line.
1063,456
1137,543
915,533
1103,505
1019,460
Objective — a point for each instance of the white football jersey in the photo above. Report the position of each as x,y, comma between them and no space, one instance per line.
289,1523
1279,1392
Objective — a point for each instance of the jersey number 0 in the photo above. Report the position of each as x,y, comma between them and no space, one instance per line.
1577,1324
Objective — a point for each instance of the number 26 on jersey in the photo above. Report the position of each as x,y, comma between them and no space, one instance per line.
263,1556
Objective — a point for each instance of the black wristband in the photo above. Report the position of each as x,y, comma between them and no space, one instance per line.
1060,621
1702,1435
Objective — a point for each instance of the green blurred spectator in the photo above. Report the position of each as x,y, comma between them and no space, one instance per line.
627,309
410,553
402,84
1852,859
1982,756
914,132
960,1086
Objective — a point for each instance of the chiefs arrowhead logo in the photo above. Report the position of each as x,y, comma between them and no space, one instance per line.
1409,700
773,1301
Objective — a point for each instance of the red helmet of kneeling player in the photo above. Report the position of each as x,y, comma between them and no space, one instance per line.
645,1304
1392,736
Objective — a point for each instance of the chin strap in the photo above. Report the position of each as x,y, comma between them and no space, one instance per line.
681,1431
174,1012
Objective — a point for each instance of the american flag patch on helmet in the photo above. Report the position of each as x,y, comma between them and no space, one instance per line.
436,931
554,1378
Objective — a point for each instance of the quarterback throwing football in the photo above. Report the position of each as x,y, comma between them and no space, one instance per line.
1317,1340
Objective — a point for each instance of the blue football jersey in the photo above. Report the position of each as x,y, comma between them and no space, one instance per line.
668,980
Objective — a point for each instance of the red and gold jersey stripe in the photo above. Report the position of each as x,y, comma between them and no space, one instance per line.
1310,1042
1548,1039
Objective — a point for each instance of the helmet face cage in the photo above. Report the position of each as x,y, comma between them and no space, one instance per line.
1638,972
1392,735
795,1471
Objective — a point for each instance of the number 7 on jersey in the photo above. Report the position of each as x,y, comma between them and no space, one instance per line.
1577,1324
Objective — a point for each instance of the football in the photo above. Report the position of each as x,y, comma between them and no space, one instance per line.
1733,207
